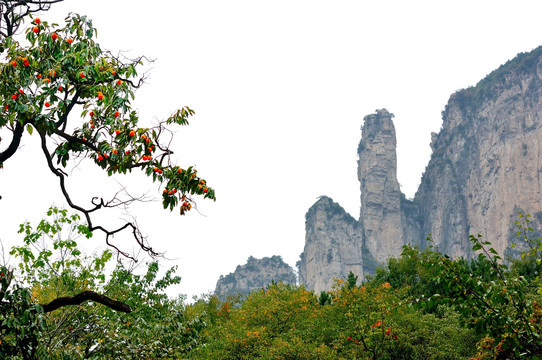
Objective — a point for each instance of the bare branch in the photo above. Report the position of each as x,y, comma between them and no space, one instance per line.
116,202
97,205
138,60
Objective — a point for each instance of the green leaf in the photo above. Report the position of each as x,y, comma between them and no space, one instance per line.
29,128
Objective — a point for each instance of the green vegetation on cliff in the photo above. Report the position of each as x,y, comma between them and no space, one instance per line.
523,65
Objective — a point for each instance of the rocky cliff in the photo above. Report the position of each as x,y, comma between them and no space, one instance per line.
255,274
485,166
487,159
333,246
380,211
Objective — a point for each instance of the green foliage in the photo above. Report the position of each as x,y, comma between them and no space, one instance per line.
324,298
523,65
423,305
63,69
21,321
369,322
157,328
62,231
51,266
490,299
351,280
266,325
55,72
410,274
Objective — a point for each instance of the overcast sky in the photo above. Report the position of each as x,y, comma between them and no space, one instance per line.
280,89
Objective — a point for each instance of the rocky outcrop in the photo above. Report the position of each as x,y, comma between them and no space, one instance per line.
380,211
485,166
255,274
333,246
336,243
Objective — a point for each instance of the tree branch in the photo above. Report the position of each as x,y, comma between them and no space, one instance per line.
64,118
14,10
15,141
86,296
90,145
97,205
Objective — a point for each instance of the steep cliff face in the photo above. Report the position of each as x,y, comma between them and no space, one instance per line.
383,223
255,274
336,243
333,246
485,166
487,159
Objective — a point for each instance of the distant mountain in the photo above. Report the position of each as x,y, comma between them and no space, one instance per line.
255,274
486,165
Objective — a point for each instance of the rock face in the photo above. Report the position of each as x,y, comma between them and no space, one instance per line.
487,159
333,246
255,274
485,166
380,212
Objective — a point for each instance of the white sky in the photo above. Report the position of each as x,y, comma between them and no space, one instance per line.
280,89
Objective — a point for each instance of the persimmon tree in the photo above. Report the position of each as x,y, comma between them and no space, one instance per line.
76,97
58,84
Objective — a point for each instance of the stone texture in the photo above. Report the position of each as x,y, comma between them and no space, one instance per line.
333,246
255,274
486,160
380,211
